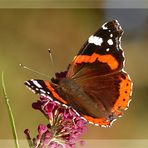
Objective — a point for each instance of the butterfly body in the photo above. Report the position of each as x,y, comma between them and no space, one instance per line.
95,83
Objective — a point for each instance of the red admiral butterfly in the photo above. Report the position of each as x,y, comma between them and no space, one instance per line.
95,84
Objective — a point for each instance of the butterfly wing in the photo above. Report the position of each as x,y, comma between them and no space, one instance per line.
45,88
113,91
101,52
98,70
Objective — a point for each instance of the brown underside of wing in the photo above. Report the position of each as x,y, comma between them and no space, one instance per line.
113,91
99,99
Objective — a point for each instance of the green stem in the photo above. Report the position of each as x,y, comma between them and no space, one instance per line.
10,113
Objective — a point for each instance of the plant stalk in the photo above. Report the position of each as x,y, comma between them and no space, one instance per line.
12,122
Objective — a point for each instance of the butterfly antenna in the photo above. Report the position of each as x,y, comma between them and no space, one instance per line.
34,71
51,59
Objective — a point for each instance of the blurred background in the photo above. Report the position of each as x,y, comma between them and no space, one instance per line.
27,34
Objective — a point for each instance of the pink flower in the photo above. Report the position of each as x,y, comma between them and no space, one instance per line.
64,129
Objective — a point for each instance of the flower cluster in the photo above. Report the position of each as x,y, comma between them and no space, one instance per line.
64,129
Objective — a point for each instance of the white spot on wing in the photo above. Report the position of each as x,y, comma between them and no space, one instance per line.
131,84
43,95
104,27
76,112
107,49
113,121
95,40
41,90
33,91
57,102
27,83
30,89
123,60
120,43
103,126
120,116
49,98
111,35
36,84
91,122
118,24
83,118
64,105
131,89
110,42
124,71
36,89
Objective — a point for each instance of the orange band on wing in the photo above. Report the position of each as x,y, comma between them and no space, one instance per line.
99,121
54,93
109,59
123,100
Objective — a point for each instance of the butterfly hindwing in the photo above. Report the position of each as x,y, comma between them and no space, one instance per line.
113,91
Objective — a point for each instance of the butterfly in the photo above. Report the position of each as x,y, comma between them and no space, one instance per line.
95,84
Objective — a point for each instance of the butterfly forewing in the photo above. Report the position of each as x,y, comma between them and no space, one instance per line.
102,50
